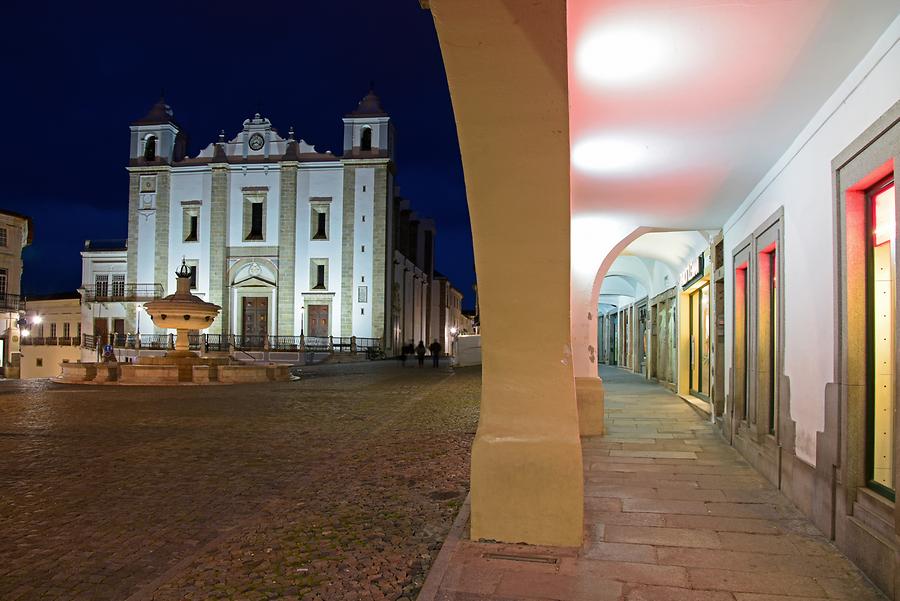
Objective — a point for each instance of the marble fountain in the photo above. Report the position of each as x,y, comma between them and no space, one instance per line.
182,312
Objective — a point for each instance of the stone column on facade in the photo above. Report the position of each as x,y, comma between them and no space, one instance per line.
527,478
348,248
131,257
382,257
218,237
287,247
163,194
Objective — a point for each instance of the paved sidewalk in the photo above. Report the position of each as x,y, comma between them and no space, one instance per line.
672,514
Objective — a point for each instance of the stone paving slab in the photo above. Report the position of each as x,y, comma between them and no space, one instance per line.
676,515
339,486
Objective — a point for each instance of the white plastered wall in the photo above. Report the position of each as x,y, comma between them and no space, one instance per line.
801,183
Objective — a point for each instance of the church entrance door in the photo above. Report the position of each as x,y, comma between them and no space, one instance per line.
318,320
255,318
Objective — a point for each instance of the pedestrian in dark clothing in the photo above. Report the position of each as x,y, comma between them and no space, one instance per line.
420,353
403,353
435,348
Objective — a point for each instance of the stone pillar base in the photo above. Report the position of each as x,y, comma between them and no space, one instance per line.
589,392
527,490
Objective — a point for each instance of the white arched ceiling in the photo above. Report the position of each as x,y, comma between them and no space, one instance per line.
678,108
673,249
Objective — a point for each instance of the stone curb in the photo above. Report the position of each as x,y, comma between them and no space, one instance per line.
442,562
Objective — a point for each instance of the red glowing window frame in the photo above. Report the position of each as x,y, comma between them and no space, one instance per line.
884,215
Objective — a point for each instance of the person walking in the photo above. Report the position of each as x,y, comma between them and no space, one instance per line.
404,350
420,353
435,348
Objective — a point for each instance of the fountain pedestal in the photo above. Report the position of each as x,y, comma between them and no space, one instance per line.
182,312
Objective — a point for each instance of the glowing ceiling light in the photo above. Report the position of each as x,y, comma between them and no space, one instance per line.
609,154
626,54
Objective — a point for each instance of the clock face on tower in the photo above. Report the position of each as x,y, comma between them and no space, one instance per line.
256,142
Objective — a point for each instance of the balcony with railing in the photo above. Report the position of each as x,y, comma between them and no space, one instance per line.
11,302
122,293
50,341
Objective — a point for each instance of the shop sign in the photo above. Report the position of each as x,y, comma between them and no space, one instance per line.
693,271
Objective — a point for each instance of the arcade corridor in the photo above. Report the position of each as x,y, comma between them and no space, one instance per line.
671,513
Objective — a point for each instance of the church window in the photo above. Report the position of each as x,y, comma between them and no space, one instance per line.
256,222
365,138
191,224
319,274
192,267
363,218
362,294
319,218
254,217
150,148
363,248
3,238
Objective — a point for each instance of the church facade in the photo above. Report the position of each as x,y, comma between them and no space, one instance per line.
288,240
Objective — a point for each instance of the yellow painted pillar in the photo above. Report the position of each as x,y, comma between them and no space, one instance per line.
506,68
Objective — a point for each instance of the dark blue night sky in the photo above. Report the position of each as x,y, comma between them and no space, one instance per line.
76,74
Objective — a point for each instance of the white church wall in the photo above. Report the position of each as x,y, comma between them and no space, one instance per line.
242,177
363,261
189,186
801,183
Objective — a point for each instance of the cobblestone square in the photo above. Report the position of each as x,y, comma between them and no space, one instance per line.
339,486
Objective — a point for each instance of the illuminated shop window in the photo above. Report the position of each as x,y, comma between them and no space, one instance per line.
768,335
881,340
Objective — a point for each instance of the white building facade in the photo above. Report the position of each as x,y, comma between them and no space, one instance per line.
288,240
16,232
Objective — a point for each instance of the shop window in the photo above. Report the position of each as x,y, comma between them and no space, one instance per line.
741,342
699,355
767,320
881,342
768,309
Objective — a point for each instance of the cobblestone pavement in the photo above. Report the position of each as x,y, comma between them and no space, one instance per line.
671,514
339,486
